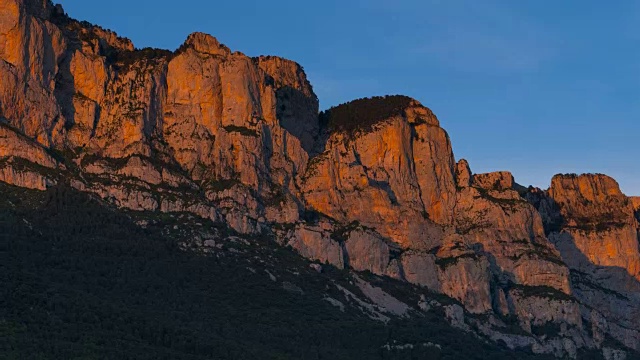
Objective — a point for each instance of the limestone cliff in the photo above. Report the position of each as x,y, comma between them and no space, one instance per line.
593,226
370,185
599,219
395,176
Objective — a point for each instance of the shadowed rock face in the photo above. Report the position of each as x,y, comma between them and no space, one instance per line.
593,226
635,202
370,185
500,180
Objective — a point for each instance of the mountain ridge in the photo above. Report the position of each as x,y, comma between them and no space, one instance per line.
369,185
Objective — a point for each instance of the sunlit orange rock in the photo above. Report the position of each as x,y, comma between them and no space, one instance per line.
30,50
397,178
463,174
23,163
239,140
600,225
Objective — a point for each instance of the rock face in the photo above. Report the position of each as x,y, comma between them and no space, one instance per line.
463,174
396,177
499,228
500,180
593,226
31,51
599,219
23,162
370,185
225,120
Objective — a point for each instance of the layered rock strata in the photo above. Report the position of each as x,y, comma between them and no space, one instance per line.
371,185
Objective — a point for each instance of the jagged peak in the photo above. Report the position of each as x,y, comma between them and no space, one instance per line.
285,72
463,162
206,44
463,174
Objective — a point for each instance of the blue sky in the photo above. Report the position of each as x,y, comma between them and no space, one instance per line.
537,87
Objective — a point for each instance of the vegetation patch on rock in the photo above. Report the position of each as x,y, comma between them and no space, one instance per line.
363,114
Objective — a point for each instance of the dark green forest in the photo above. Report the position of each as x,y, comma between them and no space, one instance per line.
81,280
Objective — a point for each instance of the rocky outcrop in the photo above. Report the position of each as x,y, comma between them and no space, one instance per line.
593,226
396,177
463,174
505,250
371,185
296,103
598,222
502,224
21,173
24,163
368,251
13,144
499,180
317,244
465,276
206,44
32,48
231,131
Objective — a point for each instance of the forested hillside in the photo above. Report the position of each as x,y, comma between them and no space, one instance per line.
82,281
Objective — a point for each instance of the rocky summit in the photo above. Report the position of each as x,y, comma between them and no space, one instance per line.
369,189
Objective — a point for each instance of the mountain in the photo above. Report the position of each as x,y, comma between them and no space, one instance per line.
196,203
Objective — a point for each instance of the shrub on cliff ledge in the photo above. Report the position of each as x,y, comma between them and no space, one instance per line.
363,114
125,59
